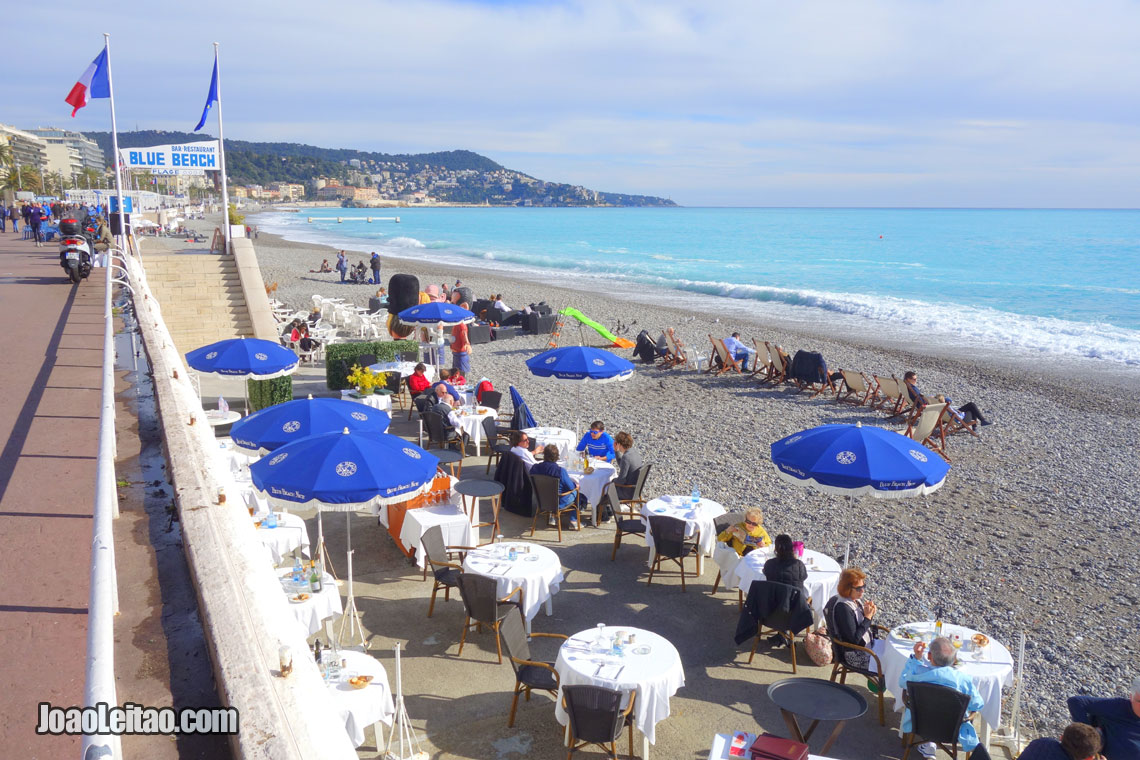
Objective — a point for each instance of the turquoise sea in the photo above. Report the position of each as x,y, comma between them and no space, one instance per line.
1058,282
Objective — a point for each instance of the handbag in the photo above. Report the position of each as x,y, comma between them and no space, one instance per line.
768,747
818,646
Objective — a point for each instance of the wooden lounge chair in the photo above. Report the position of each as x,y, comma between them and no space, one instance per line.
952,423
763,361
675,350
889,395
780,362
856,388
927,428
726,361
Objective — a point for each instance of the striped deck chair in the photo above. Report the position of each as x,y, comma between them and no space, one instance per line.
889,396
856,388
763,361
726,361
927,428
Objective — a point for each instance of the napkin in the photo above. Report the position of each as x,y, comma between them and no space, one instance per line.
610,672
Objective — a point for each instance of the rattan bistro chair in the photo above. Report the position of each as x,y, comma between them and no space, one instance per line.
627,512
721,523
596,717
669,543
547,497
840,667
495,440
530,673
438,557
936,715
484,607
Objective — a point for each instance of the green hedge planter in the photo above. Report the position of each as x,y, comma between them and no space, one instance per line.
265,393
339,358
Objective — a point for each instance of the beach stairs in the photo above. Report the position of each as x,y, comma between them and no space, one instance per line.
201,297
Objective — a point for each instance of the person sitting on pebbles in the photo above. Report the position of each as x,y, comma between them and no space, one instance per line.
749,535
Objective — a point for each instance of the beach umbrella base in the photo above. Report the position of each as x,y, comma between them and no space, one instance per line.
350,619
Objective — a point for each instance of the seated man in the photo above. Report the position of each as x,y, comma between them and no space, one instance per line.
597,442
549,466
1079,742
738,350
520,445
1116,717
444,382
748,535
939,670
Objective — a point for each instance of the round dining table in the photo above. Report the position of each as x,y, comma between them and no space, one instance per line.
404,368
289,535
699,518
471,423
380,401
816,700
822,582
361,707
592,484
310,610
651,667
561,437
536,569
990,668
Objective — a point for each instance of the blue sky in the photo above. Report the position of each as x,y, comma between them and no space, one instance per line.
873,103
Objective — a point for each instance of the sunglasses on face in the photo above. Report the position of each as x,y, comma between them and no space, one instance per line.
859,588
750,522
595,433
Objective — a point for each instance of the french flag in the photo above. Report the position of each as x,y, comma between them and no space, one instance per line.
95,82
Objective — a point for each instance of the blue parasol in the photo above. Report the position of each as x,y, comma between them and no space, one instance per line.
522,417
275,426
250,358
852,460
580,364
436,313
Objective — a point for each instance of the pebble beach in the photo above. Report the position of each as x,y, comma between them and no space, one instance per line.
1035,531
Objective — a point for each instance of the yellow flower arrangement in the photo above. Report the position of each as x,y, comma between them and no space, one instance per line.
365,380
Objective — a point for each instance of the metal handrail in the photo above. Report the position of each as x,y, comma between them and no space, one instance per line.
103,601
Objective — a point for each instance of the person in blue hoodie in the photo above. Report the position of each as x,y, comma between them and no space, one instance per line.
597,442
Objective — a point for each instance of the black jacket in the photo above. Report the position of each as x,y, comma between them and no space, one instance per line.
776,605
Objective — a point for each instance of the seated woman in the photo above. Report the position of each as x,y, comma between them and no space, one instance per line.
848,615
325,268
456,378
549,466
785,567
748,535
418,381
314,317
966,413
597,442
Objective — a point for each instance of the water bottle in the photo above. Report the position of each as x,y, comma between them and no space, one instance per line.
298,571
271,520
696,496
512,553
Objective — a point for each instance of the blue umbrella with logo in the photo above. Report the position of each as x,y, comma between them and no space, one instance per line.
251,358
852,460
436,313
281,424
580,364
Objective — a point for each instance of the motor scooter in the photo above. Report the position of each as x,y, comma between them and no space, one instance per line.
74,250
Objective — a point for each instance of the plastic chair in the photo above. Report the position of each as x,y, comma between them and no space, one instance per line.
530,674
596,717
479,594
936,715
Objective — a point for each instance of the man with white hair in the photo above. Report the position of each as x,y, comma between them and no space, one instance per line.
940,670
1118,719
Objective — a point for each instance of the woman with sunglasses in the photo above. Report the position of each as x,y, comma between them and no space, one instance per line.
597,442
748,535
849,614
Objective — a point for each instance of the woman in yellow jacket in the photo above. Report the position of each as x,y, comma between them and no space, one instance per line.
748,535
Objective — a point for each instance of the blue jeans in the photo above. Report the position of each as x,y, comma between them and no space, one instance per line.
376,277
743,355
461,360
341,274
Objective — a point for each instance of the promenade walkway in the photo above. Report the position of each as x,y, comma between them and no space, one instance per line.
50,372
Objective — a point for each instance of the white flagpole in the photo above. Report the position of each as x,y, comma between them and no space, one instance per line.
115,150
222,157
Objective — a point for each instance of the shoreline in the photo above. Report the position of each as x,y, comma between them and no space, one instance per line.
1038,496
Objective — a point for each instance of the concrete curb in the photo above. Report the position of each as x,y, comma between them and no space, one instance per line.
253,287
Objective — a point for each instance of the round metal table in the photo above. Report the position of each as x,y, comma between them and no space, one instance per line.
481,489
818,700
452,459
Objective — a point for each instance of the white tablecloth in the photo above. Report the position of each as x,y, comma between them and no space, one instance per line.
381,401
451,519
680,507
404,368
472,424
318,608
722,743
655,674
361,708
381,511
561,437
538,574
994,671
289,534
821,584
218,418
592,486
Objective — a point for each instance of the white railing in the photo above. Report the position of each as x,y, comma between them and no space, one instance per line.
103,602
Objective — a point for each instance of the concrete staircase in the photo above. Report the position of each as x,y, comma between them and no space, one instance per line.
200,295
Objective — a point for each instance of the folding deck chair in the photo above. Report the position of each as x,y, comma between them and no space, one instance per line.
856,388
927,428
726,361
889,396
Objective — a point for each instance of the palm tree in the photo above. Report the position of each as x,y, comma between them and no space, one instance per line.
6,155
26,177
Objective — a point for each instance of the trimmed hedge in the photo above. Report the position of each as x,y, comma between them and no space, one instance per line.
265,393
335,376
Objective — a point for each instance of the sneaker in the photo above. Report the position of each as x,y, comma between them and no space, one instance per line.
927,749
776,640
550,521
573,524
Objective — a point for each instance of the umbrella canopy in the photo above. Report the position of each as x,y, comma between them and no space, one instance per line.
345,471
851,460
244,357
580,364
280,424
522,417
436,313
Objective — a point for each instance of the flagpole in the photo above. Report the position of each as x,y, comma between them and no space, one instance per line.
222,157
115,151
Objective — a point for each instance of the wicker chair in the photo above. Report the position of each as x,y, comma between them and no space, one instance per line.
936,715
669,544
721,524
438,557
480,599
627,512
840,667
547,497
596,717
781,608
495,442
530,674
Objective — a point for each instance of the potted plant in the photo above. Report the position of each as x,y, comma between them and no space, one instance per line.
363,380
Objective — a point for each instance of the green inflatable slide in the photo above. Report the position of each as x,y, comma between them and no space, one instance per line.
617,342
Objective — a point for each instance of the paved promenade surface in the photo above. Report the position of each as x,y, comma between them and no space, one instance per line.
50,372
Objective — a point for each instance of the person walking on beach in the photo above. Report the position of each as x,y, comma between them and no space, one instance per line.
374,263
342,265
461,346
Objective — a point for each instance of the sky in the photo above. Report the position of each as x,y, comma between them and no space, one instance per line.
1031,103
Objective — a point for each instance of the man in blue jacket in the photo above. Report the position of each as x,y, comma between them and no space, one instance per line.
566,486
1117,718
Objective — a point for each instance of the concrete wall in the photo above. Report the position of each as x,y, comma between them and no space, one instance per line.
244,613
253,287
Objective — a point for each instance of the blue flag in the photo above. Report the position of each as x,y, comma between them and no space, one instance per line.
212,98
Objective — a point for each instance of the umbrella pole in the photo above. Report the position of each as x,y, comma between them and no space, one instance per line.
323,552
351,615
